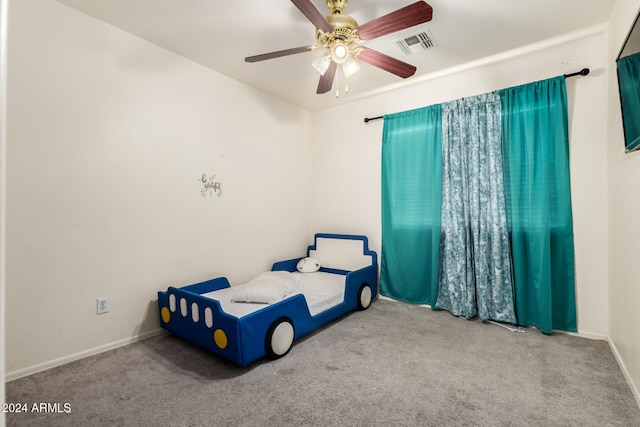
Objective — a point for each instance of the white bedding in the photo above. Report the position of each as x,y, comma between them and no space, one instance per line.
321,290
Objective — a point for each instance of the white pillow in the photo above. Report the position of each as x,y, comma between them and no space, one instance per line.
267,288
308,265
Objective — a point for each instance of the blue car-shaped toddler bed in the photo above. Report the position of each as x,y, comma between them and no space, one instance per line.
264,316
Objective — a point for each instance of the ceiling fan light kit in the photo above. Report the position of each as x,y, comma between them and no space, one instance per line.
339,52
350,67
342,40
322,64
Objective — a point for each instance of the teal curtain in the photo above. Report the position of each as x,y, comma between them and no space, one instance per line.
411,197
537,187
629,80
475,266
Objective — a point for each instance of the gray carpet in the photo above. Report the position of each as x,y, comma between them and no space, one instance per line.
393,365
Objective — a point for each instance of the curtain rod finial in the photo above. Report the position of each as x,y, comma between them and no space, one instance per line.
582,72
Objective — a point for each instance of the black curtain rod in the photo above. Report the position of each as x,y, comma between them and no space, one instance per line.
582,72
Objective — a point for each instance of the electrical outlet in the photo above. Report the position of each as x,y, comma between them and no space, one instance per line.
103,305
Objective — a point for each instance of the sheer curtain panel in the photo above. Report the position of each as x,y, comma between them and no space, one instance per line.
475,268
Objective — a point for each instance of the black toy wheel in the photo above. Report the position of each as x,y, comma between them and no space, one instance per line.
279,338
364,297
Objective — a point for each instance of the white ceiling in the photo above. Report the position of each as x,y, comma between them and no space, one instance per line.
220,34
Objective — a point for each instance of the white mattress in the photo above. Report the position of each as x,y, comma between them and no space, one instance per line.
321,290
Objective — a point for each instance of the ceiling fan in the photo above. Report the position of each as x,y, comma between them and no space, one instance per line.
342,38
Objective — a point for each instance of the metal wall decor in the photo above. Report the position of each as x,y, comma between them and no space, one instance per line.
210,186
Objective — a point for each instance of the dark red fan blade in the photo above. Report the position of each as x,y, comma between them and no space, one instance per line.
414,14
387,63
313,14
278,53
326,81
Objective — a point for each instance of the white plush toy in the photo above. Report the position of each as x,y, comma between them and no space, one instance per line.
308,265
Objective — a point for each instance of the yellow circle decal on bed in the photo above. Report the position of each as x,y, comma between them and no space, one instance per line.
166,314
220,338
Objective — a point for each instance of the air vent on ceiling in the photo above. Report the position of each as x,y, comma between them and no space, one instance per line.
415,43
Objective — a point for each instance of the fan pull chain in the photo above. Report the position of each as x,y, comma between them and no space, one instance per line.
346,84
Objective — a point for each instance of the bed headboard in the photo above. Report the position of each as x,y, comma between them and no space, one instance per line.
343,252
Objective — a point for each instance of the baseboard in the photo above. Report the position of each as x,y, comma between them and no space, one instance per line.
386,298
625,372
10,376
582,334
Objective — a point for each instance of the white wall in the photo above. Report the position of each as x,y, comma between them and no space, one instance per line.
4,12
108,137
352,153
624,209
